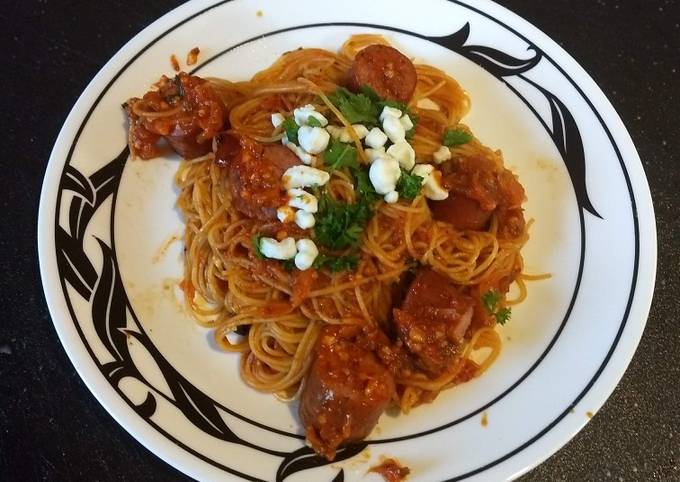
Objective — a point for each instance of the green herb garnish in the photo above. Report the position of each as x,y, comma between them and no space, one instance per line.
291,129
336,263
490,300
340,225
455,137
409,185
256,244
313,121
365,190
340,154
356,108
288,264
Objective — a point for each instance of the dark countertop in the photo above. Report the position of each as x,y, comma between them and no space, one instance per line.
52,428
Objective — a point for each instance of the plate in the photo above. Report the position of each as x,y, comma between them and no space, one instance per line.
110,257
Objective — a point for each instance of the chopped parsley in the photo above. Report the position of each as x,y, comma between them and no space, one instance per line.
288,264
336,263
313,121
455,137
409,185
364,188
490,300
291,129
256,245
340,225
340,154
357,108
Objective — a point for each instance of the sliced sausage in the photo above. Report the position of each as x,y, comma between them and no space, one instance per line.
433,320
346,390
255,178
479,187
384,69
184,110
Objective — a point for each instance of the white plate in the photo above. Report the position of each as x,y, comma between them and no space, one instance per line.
111,288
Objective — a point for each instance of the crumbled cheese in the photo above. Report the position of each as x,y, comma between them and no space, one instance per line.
277,119
307,253
304,176
432,187
375,138
406,122
390,112
404,154
301,199
304,219
442,154
391,197
305,157
285,214
313,139
302,114
274,249
393,128
384,174
342,134
373,154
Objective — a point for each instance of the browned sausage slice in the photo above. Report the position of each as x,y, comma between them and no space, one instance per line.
433,320
255,176
384,69
346,391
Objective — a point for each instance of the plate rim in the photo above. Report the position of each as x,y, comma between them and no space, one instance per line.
160,446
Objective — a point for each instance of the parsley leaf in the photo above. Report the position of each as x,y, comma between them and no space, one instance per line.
455,137
291,129
340,225
288,264
313,121
409,185
368,91
256,244
340,154
365,190
357,108
337,263
490,300
503,315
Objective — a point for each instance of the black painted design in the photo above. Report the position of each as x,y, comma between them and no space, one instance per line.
305,458
105,289
497,63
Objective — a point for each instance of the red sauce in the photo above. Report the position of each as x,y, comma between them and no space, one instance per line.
174,63
391,470
192,56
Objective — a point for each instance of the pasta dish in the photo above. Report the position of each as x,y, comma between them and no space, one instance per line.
346,235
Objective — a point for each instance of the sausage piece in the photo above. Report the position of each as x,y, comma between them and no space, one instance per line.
184,110
433,320
346,390
255,177
479,187
384,69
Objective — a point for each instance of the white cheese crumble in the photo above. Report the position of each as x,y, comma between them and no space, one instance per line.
307,253
302,114
305,157
274,249
384,174
375,138
442,154
314,140
393,128
403,153
373,154
285,214
304,219
301,199
277,119
304,176
390,112
406,122
432,188
391,197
